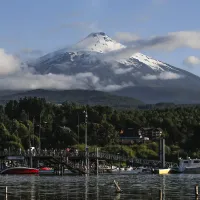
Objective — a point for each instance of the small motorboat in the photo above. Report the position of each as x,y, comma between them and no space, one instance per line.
46,171
45,168
20,170
51,171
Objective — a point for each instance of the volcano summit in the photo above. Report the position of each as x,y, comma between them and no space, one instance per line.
94,60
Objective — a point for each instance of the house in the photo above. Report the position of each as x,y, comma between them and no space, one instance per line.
130,136
151,133
137,135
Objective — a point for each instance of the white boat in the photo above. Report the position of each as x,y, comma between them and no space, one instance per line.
188,166
126,171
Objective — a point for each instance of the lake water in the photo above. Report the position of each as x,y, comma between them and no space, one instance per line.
175,186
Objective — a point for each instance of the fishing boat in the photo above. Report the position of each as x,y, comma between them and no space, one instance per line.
20,170
187,166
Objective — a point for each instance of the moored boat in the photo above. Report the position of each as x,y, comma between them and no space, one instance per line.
190,166
187,166
20,170
51,171
127,171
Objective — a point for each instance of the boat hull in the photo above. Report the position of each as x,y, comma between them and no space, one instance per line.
20,170
52,172
191,170
175,170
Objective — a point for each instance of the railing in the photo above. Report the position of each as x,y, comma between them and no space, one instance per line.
81,154
63,153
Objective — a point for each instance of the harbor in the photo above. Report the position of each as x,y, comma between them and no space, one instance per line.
62,162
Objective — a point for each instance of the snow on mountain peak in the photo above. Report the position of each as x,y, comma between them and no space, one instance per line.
98,42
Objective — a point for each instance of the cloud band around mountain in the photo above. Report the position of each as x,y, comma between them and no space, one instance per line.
169,42
15,76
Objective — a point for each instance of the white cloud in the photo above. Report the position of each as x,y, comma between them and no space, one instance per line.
126,37
9,64
190,39
114,87
162,76
136,74
169,42
149,77
16,76
118,69
122,70
192,61
48,81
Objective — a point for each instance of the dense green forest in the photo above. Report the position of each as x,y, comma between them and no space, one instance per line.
86,97
20,125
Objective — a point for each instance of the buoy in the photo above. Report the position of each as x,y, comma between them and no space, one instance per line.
118,189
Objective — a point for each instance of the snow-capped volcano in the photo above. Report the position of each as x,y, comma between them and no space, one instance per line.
98,42
87,59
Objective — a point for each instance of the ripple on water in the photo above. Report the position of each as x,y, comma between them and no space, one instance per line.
175,186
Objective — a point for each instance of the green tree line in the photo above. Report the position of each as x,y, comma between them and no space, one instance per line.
23,122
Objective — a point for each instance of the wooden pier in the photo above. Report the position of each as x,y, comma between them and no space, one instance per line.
75,162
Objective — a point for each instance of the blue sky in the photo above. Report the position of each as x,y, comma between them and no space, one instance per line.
47,25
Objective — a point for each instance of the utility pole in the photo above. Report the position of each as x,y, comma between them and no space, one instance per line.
30,150
29,133
40,133
86,147
78,127
162,151
97,160
33,138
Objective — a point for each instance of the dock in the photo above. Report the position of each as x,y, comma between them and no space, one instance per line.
75,162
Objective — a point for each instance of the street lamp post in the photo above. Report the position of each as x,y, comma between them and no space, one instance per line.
86,147
39,134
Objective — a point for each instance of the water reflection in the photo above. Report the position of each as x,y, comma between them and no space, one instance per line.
86,186
98,187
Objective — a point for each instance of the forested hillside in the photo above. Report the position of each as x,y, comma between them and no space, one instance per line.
19,124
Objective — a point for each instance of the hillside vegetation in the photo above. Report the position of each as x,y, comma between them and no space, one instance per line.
19,122
84,97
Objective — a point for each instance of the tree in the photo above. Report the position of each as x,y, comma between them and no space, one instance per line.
7,140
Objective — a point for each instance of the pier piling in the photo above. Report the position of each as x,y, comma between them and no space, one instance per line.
196,190
6,190
6,193
97,161
160,194
118,189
